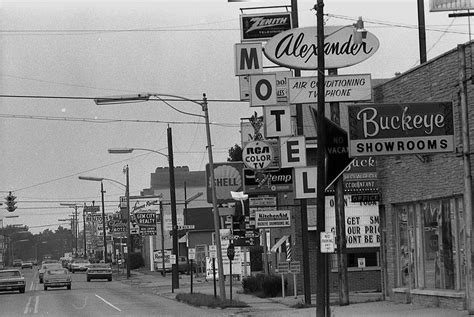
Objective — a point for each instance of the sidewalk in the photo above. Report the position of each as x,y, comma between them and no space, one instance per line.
361,304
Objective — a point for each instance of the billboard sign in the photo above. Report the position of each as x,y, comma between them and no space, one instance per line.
451,5
337,88
227,178
296,48
272,219
258,27
269,181
405,128
257,155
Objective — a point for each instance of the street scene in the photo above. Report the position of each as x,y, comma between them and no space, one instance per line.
236,158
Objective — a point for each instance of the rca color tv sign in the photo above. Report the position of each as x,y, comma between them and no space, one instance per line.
405,128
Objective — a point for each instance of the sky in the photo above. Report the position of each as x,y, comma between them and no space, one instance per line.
86,49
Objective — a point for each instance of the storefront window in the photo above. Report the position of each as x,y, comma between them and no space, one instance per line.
403,247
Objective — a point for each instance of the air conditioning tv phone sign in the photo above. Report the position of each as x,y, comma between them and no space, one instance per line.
405,128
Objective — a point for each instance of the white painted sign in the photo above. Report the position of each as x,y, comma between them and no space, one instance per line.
305,182
244,87
327,242
248,59
272,219
293,151
173,258
297,48
337,88
257,155
192,253
277,121
282,84
361,262
213,251
263,90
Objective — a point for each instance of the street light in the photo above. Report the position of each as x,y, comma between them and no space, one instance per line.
175,277
203,104
95,179
127,194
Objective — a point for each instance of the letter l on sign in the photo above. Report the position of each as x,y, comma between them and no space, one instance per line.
305,182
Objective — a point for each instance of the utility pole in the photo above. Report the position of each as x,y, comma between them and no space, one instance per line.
340,218
467,177
303,202
103,221
174,220
322,298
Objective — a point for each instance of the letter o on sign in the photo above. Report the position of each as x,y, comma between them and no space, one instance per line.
263,90
257,155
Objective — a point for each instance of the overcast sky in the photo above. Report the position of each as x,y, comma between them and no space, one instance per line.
186,48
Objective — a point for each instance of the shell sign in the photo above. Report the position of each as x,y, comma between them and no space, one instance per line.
227,177
297,48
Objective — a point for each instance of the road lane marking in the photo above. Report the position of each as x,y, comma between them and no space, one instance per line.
108,303
27,307
36,304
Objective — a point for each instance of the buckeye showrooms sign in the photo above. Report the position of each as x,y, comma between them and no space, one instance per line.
405,128
297,48
272,218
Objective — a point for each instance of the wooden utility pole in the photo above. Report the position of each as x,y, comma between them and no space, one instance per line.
340,218
303,202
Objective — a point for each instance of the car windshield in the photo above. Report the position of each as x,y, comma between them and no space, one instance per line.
100,266
7,274
51,265
56,272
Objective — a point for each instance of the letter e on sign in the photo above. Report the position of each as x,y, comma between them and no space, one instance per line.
293,151
305,182
263,90
248,59
277,121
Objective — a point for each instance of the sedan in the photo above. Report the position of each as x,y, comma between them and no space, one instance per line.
11,280
79,265
99,271
57,277
26,264
46,267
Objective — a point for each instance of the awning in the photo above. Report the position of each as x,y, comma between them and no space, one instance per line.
279,243
183,239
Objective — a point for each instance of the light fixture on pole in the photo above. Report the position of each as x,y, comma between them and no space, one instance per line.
166,98
101,179
175,273
95,179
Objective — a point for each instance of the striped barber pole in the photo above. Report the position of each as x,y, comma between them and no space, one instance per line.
288,248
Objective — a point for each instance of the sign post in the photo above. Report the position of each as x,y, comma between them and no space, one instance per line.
283,267
294,269
213,255
191,256
230,255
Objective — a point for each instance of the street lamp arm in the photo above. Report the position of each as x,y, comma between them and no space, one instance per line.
100,179
178,98
130,150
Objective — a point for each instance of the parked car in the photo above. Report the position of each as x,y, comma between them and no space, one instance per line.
57,277
17,262
11,280
26,264
79,265
34,261
47,266
99,271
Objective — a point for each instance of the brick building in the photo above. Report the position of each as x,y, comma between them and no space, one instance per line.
422,195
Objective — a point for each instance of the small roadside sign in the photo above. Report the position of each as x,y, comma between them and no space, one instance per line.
213,251
361,262
295,267
327,242
283,267
192,253
173,258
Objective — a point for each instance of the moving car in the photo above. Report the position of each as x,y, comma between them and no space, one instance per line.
99,271
79,265
57,277
47,266
11,280
26,264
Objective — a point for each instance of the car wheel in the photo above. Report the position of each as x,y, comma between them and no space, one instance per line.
73,271
110,279
88,279
45,288
41,281
22,290
69,287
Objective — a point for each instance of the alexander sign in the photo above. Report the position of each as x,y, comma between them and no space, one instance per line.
297,48
407,128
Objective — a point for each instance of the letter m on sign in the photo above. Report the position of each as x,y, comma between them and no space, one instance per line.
248,59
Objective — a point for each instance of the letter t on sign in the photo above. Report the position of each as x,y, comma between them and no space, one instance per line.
293,151
277,121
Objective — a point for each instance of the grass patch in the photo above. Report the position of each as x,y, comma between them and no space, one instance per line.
302,305
199,299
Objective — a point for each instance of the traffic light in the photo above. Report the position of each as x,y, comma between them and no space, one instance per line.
238,226
10,200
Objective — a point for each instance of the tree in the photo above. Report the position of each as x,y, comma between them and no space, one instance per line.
235,154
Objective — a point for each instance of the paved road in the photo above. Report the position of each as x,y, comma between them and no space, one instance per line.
95,298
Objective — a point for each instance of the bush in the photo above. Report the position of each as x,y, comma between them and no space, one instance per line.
136,260
256,260
271,285
199,299
252,284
